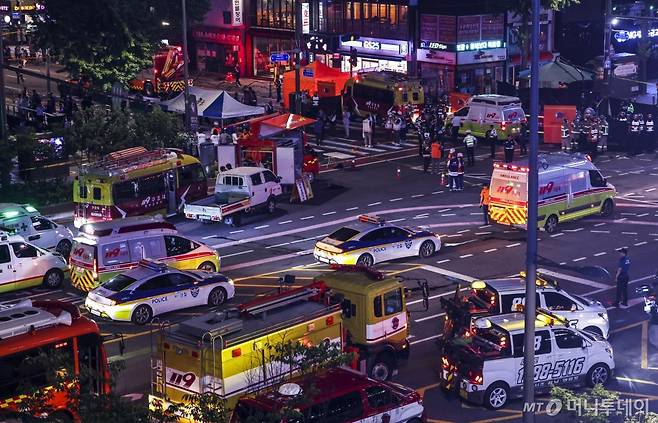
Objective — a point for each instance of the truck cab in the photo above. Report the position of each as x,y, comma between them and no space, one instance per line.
375,317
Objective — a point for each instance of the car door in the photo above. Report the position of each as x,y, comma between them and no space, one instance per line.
596,182
402,244
543,357
46,232
570,356
510,302
27,265
158,293
257,188
187,293
375,242
273,183
7,271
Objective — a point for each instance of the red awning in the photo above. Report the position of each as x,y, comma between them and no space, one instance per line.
544,56
284,122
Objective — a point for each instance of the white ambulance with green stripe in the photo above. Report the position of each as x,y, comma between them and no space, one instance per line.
504,113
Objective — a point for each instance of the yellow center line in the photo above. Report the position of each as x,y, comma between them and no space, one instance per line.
256,285
128,336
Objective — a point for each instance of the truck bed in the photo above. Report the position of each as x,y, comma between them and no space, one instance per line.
217,206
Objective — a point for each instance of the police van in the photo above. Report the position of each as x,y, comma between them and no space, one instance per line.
26,221
507,295
486,367
505,113
570,187
105,249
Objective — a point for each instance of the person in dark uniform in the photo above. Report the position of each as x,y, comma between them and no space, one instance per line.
649,134
622,278
492,137
509,149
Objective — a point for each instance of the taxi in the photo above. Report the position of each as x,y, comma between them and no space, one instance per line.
372,240
152,288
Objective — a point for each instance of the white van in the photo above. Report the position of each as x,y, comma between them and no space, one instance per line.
26,221
570,187
503,112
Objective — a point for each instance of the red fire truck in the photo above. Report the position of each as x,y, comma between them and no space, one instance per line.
165,77
33,329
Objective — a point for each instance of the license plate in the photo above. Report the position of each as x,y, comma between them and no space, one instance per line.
463,393
95,312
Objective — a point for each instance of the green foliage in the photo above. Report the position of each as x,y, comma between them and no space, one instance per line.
158,129
585,407
39,193
110,40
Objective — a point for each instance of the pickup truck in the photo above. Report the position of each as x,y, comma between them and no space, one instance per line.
238,192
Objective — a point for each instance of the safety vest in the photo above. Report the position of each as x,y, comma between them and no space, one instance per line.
469,141
565,131
594,133
316,101
509,145
604,129
436,150
635,126
648,126
484,196
453,167
493,133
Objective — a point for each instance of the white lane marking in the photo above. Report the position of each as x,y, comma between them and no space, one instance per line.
421,217
650,190
643,214
463,231
374,204
307,217
266,260
236,254
433,297
448,214
429,338
209,236
579,259
476,213
573,278
483,233
563,263
599,232
308,239
466,256
444,210
446,272
285,222
328,213
352,208
236,232
627,214
556,235
484,226
637,244
629,233
491,250
443,261
516,244
262,226
600,224
417,195
433,316
397,220
574,230
395,199
437,192
277,245
602,253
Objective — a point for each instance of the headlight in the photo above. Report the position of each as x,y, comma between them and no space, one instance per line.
112,303
230,281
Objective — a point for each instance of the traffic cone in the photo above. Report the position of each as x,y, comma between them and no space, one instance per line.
397,173
443,179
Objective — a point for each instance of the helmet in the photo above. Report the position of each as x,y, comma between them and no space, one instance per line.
460,154
468,131
452,151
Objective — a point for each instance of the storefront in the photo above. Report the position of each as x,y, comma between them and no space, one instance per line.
266,48
375,54
219,50
461,53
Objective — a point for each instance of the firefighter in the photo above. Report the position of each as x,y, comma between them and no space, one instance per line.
565,135
603,139
649,134
635,130
641,145
460,171
470,141
484,203
577,130
593,135
509,149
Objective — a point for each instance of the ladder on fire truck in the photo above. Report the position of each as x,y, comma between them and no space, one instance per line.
123,161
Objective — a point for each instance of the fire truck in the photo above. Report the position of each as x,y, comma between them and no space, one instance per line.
231,354
165,77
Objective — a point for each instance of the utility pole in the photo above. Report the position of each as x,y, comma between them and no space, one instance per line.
414,22
607,32
531,252
186,74
48,70
298,56
3,100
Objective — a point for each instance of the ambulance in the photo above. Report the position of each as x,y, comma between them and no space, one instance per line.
570,187
486,367
505,113
104,249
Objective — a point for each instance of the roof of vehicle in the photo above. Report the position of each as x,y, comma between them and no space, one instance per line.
322,386
515,322
552,161
243,171
390,77
503,100
366,223
512,284
19,209
362,281
141,224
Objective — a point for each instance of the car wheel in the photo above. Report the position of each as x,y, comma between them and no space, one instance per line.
365,260
271,205
217,297
608,208
427,249
207,266
53,278
594,329
496,396
142,314
232,220
598,374
64,248
381,367
551,224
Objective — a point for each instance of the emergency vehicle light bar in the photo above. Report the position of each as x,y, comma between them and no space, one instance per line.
511,167
542,280
157,266
371,218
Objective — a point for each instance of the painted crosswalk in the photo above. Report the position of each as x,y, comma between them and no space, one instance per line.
355,147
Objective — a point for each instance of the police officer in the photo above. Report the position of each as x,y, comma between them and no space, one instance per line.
603,139
649,134
565,135
492,136
623,128
509,149
470,141
635,129
315,102
453,168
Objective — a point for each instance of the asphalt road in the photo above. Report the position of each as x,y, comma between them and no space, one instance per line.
269,246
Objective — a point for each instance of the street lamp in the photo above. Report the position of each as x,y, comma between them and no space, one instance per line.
614,21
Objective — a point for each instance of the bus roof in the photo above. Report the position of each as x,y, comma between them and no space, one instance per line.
31,324
134,162
551,161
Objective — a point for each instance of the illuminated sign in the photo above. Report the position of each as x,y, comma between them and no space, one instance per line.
372,45
433,45
237,12
36,7
306,18
480,45
623,36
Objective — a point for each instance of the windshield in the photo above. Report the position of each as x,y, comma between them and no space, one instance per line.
509,187
585,301
83,253
343,234
118,283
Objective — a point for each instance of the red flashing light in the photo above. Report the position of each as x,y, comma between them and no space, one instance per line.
236,352
503,342
492,300
474,377
444,362
329,321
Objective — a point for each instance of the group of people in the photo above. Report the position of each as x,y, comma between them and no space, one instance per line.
34,108
641,132
588,131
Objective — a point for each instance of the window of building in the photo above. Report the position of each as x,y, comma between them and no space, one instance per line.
275,13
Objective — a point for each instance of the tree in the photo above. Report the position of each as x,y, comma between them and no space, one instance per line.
110,40
158,129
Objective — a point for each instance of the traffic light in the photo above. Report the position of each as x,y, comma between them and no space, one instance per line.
353,60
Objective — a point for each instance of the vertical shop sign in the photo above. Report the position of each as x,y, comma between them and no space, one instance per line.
306,18
237,12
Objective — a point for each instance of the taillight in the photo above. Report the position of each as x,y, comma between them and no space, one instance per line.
95,269
444,362
492,300
503,342
475,377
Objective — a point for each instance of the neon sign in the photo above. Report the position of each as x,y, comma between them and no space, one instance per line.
480,45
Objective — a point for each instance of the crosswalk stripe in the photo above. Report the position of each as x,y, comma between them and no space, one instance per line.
332,141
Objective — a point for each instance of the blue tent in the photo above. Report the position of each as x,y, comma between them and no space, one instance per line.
212,104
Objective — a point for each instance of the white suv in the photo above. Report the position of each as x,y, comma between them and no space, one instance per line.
24,265
487,366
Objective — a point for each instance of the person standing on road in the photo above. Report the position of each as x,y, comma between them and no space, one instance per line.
319,127
460,172
453,168
492,137
277,84
635,131
470,141
509,149
565,135
367,132
236,74
456,122
426,155
436,157
649,134
484,203
346,122
622,278
603,139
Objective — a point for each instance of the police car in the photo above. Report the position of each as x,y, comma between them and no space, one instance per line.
486,367
372,240
152,288
500,296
